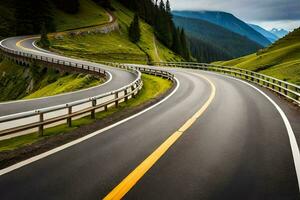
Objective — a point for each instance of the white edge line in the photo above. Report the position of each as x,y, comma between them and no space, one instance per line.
38,48
291,134
65,146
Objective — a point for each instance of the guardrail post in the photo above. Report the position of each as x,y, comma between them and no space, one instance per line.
132,89
279,88
41,126
286,87
125,93
117,101
69,119
94,103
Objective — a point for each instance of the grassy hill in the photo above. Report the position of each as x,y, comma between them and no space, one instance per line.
281,59
115,46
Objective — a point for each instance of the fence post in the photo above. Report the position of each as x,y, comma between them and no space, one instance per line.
132,89
125,93
69,119
117,101
41,126
279,88
286,87
94,102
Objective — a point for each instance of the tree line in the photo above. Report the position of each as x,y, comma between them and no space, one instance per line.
159,16
32,15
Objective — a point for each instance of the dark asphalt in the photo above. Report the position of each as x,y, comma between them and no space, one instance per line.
238,149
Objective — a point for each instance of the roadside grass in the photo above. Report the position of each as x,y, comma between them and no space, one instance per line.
153,87
65,84
280,60
89,14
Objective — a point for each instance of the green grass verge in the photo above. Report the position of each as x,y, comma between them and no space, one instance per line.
280,60
65,84
153,87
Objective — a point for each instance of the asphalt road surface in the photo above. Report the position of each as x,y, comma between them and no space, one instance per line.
237,149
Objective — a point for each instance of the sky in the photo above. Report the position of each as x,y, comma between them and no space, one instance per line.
266,13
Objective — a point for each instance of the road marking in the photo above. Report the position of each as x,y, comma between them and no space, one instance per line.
291,134
127,183
65,146
18,44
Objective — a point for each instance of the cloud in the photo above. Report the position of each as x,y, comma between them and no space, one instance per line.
250,10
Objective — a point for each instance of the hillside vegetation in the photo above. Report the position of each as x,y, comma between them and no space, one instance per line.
89,14
210,42
19,82
281,59
18,17
116,46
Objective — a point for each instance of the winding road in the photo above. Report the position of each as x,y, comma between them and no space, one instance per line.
213,137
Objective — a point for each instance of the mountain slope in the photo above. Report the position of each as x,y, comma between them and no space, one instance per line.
281,59
279,32
225,41
116,46
267,34
228,21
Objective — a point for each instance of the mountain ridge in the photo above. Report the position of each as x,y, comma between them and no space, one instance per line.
218,39
270,36
228,21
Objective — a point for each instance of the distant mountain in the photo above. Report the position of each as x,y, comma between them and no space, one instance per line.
267,34
222,41
228,21
279,32
280,60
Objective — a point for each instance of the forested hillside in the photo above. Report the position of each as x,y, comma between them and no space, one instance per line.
210,42
159,16
281,59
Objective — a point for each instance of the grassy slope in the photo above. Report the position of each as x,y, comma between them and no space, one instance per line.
115,46
89,14
281,59
19,82
153,87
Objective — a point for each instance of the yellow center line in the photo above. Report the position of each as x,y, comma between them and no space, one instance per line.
18,44
127,183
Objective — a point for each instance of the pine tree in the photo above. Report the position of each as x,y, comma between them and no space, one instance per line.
185,51
44,41
134,30
168,9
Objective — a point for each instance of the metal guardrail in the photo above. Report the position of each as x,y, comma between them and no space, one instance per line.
25,58
286,89
36,118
